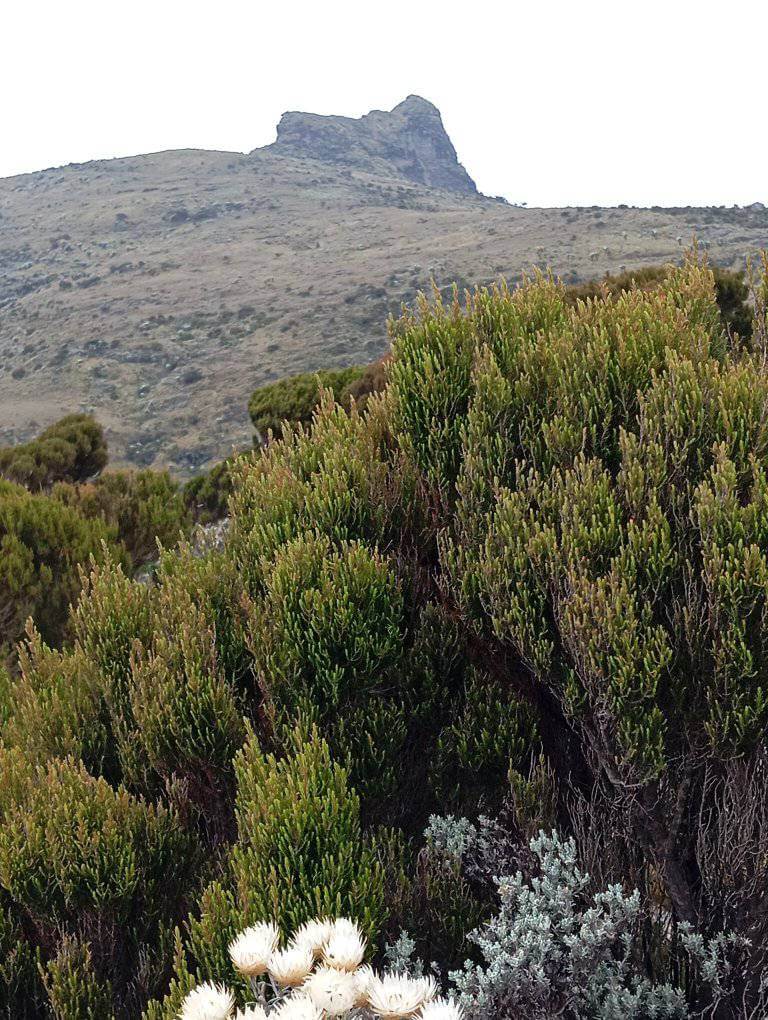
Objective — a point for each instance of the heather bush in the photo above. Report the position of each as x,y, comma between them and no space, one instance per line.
206,496
81,859
732,292
21,996
328,642
300,852
55,708
294,399
73,449
141,507
42,544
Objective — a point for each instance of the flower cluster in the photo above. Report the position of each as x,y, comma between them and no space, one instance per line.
318,974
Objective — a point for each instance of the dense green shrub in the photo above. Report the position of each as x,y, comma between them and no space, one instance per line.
206,496
300,853
73,450
731,292
294,399
328,642
42,543
80,859
75,991
606,476
188,724
55,708
141,507
21,997
44,537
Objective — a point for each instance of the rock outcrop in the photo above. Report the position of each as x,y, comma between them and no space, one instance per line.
410,139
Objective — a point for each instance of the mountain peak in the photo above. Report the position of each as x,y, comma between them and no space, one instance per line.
410,138
414,103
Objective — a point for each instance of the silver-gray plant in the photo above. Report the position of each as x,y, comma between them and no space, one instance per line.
554,951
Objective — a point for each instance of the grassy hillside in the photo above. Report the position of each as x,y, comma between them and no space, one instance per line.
157,292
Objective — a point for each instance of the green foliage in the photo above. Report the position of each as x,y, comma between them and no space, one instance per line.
489,733
81,859
141,507
188,723
302,801
41,545
731,292
55,709
21,994
295,398
72,450
606,476
206,496
328,640
113,615
74,990
341,479
300,853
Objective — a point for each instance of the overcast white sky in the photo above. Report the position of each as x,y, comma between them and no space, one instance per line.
550,102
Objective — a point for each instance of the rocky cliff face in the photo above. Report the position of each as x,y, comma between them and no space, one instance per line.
410,138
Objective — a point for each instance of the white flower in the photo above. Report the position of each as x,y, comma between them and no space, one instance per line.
392,996
313,934
251,950
363,977
290,966
442,1009
298,1007
208,1002
334,991
343,926
344,950
255,1012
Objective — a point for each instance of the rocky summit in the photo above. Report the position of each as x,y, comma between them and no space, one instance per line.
158,291
409,140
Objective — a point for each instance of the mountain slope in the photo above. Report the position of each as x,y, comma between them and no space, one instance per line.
159,290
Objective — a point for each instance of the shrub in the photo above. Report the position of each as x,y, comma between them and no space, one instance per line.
21,994
55,708
41,545
300,853
294,399
373,379
80,858
603,480
141,507
188,724
731,292
206,496
73,450
74,990
328,642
